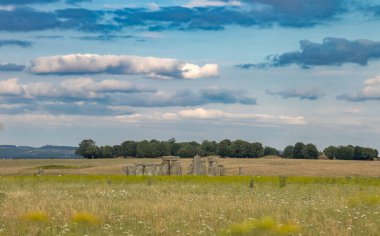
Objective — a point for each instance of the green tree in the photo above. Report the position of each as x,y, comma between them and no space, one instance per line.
224,148
189,149
209,148
288,152
164,149
298,151
269,151
87,149
117,151
362,153
310,151
345,152
256,150
106,152
142,149
330,152
129,148
240,148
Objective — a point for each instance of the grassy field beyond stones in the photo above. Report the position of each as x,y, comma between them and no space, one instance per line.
188,205
270,165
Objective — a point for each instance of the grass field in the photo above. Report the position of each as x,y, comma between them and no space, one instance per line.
188,205
282,197
267,166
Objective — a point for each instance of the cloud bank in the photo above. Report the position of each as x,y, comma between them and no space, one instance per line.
332,52
301,93
195,15
27,2
188,98
79,88
15,42
11,67
151,67
217,115
86,96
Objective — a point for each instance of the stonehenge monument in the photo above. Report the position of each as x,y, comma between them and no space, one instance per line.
171,165
206,166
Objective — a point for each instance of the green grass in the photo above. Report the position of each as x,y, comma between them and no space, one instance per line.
188,205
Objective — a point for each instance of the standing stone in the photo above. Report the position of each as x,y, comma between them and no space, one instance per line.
190,169
157,169
220,170
165,168
139,170
129,170
175,168
197,169
212,165
149,170
204,166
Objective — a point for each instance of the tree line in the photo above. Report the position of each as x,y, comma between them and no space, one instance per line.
351,153
225,148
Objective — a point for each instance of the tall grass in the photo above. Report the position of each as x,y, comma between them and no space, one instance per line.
188,205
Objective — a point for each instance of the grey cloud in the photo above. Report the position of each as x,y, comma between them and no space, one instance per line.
81,108
27,2
14,42
255,13
301,93
105,37
81,89
11,67
332,52
262,13
26,19
188,98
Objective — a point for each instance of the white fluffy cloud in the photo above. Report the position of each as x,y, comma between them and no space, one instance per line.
78,87
10,87
201,113
206,114
151,67
369,91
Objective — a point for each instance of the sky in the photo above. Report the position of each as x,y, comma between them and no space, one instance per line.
268,71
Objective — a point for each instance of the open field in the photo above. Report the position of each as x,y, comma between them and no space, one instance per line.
267,166
188,205
282,197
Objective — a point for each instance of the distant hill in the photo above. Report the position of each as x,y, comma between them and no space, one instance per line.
23,152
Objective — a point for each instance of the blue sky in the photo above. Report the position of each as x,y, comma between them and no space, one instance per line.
271,71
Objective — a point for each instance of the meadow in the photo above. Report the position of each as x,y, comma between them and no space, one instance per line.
189,205
265,166
276,197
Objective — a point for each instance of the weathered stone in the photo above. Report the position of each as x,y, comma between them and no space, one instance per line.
145,164
175,168
170,165
220,170
196,170
165,168
129,170
171,158
212,165
204,167
149,170
140,170
157,170
190,169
